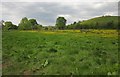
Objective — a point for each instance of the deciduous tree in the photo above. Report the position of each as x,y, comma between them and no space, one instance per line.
61,23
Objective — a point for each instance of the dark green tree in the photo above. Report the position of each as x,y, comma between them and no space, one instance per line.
110,25
38,27
61,23
77,25
25,24
9,26
34,23
70,26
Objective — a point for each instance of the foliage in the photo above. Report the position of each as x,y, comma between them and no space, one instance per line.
104,22
61,23
45,63
9,26
75,25
30,24
25,24
51,28
34,23
52,50
38,27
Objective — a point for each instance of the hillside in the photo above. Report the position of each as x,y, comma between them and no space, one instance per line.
111,21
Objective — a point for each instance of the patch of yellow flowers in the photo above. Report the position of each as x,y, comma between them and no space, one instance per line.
103,33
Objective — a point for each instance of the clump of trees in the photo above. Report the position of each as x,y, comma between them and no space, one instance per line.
31,24
95,25
8,25
75,25
24,24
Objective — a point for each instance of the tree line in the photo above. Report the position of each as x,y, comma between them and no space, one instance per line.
31,24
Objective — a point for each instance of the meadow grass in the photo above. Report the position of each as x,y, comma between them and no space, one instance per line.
62,52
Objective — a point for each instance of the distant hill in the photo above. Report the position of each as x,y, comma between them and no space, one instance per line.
101,22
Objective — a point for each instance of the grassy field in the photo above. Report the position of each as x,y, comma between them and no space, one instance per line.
102,21
65,52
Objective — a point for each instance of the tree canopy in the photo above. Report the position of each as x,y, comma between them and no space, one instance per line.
9,26
61,23
30,24
106,22
25,24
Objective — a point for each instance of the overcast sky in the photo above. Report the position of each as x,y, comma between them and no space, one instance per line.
46,12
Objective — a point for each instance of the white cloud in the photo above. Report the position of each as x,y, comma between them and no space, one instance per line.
60,0
110,13
98,5
47,12
0,11
66,16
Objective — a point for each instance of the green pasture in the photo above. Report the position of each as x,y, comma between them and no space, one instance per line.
65,52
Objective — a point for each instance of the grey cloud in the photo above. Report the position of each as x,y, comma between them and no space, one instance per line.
47,12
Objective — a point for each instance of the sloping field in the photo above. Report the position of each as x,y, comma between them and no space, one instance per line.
69,52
